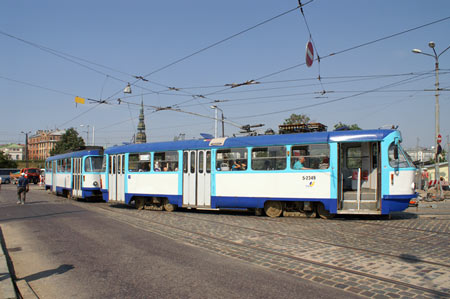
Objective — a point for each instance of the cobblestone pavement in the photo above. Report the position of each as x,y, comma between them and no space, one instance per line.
404,257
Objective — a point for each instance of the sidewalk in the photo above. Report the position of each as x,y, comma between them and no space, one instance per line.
7,290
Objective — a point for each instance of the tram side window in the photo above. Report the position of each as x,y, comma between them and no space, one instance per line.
68,165
310,156
185,162
231,159
139,162
269,158
58,165
398,158
208,162
165,161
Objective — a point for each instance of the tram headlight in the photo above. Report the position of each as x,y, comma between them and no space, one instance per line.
95,184
413,186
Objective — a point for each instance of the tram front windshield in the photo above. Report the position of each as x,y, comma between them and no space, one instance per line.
398,158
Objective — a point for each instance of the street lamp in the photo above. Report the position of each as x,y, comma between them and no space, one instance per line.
436,58
127,89
26,147
216,120
87,134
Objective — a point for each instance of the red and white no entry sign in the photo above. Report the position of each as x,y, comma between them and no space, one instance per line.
309,53
439,138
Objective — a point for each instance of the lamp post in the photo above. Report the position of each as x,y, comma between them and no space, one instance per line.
216,120
87,134
26,147
436,58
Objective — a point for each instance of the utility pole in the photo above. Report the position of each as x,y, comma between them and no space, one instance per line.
26,147
448,159
435,55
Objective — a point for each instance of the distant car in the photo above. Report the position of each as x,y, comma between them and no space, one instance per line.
4,174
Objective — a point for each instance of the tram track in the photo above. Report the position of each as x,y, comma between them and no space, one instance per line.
151,224
412,259
125,218
405,228
363,250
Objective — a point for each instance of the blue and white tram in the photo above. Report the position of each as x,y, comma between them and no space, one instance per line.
347,172
75,175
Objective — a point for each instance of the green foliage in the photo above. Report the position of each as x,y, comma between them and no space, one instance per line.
350,127
297,119
70,141
6,162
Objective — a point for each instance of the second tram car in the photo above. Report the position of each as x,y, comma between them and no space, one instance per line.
76,175
325,173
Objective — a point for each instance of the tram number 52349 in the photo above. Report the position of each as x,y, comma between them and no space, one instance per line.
308,177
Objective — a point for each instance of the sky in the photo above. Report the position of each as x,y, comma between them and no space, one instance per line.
190,51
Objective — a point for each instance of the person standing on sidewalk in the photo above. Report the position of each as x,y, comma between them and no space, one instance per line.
22,189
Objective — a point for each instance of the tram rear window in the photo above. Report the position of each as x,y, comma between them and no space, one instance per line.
139,162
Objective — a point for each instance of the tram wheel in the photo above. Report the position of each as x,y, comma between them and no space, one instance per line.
324,214
139,203
168,206
273,208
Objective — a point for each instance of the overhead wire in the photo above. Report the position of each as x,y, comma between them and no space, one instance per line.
79,115
38,86
214,44
329,101
312,41
357,46
72,59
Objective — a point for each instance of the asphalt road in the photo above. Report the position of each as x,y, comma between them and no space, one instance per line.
65,251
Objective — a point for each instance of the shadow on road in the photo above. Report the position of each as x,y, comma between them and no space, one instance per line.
43,274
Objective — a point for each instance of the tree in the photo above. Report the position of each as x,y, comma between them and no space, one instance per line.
70,141
297,119
6,162
341,126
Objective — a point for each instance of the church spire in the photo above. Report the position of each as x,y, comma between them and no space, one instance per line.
140,136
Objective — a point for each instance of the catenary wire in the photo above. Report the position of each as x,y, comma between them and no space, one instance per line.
214,44
329,101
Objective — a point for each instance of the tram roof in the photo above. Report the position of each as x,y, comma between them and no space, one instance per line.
78,154
262,140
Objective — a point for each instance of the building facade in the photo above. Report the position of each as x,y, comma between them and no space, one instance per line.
42,142
422,154
14,151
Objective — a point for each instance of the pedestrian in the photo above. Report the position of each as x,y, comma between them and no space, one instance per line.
425,177
22,189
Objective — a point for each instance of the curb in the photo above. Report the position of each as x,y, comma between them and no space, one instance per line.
25,290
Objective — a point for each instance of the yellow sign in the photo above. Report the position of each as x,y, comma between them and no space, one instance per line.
79,100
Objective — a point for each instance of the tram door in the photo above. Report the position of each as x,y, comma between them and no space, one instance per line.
54,165
197,178
359,177
77,177
116,178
